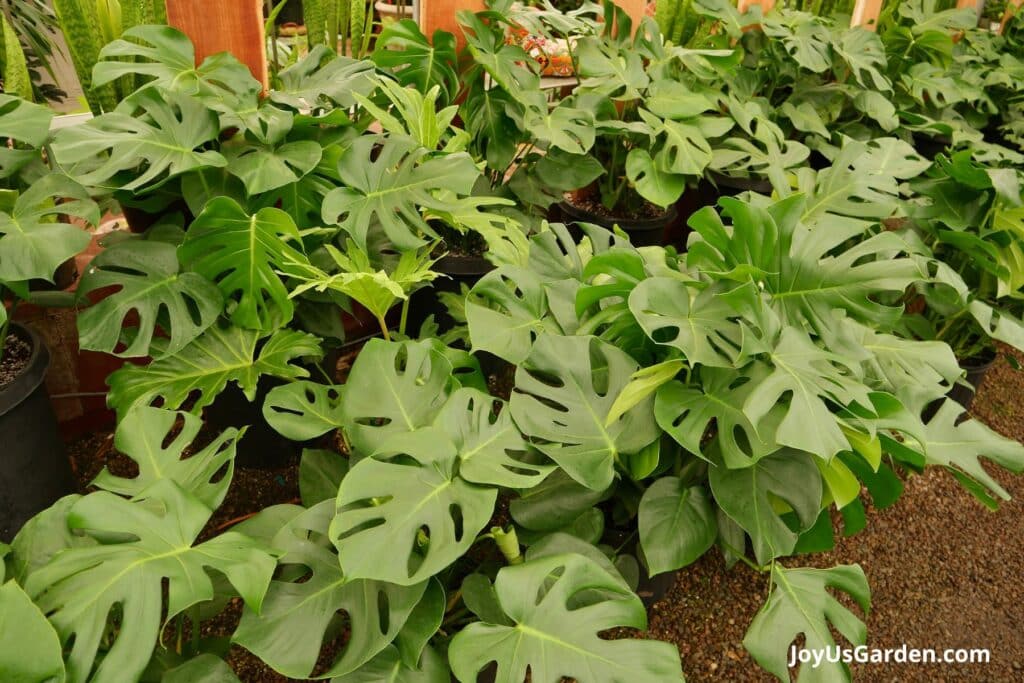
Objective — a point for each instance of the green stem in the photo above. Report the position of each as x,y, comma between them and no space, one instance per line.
405,316
941,334
384,327
194,618
508,544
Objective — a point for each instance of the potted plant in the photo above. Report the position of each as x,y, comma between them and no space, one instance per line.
36,239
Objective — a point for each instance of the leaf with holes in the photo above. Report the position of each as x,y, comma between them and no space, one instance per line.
402,48
563,394
141,435
388,182
303,410
651,182
801,605
143,546
266,166
322,78
151,286
505,311
34,242
746,496
243,253
415,505
555,631
203,369
394,387
491,449
300,610
157,136
388,667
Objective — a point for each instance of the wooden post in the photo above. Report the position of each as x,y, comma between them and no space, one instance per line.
744,5
234,26
440,14
865,14
1011,7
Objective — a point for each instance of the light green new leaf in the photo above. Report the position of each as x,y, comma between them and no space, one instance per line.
303,410
553,638
33,240
642,384
416,506
677,524
243,253
959,447
144,546
389,186
801,605
156,135
491,449
29,649
150,286
298,614
220,355
746,495
564,392
142,434
393,388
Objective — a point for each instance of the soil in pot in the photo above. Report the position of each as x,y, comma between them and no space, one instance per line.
34,467
649,227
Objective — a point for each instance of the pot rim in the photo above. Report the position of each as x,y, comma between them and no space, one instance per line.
656,223
31,376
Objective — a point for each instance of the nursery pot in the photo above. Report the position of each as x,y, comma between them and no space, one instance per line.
34,467
643,232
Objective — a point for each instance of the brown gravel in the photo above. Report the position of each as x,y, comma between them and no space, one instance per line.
944,571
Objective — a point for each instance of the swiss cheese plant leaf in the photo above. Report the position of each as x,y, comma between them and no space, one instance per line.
563,127
801,605
26,125
34,241
687,412
243,253
149,285
959,447
324,79
416,505
804,36
653,183
491,449
563,394
303,410
220,355
164,57
554,503
265,165
677,524
30,651
142,435
393,388
864,54
747,497
403,49
388,187
506,310
555,631
145,548
158,135
300,614
388,667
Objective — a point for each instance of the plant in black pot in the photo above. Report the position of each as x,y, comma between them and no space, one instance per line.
36,238
972,217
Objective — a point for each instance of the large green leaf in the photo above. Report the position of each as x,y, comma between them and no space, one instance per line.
677,524
652,182
220,355
416,61
801,605
143,546
303,410
165,58
804,36
33,240
149,285
322,78
157,440
564,392
388,667
416,505
394,387
29,649
243,254
158,136
264,160
747,497
26,125
387,183
506,311
491,449
555,635
302,613
864,54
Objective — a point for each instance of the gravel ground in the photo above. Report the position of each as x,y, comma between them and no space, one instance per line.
944,571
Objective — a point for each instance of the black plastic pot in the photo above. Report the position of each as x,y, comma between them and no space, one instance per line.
261,447
34,467
730,186
975,370
649,588
643,232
